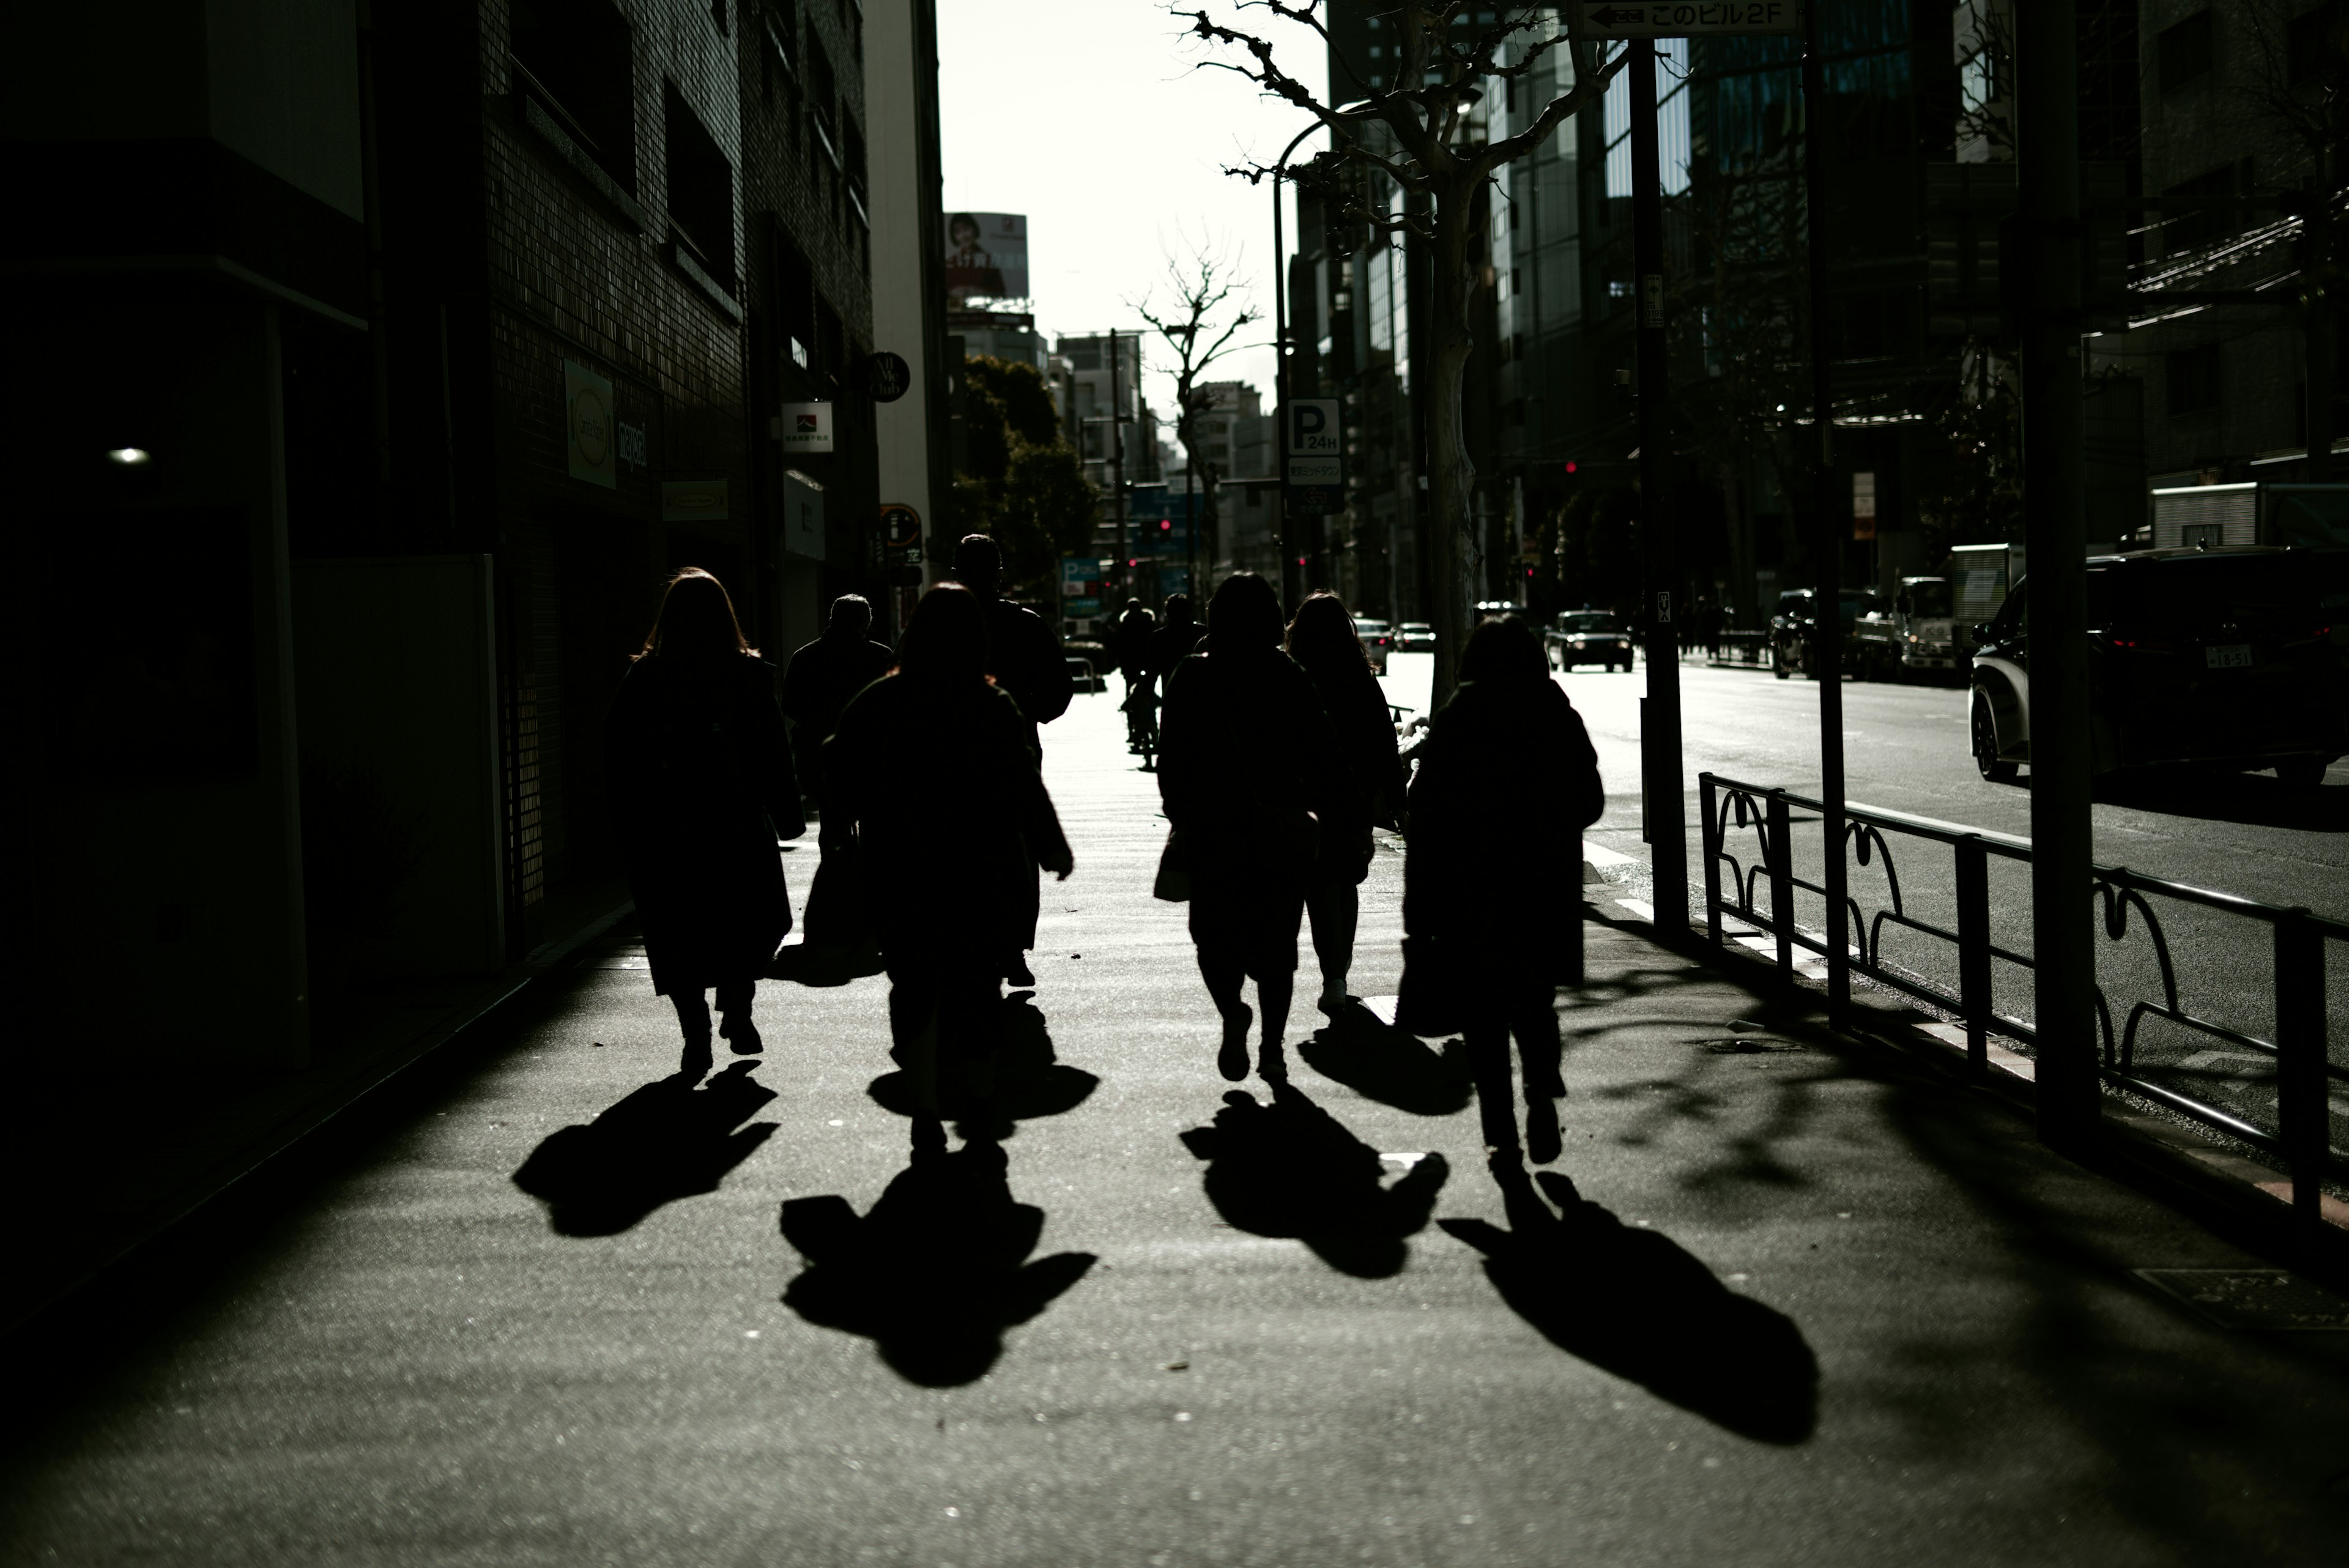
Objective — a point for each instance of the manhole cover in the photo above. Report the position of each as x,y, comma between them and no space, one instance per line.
2252,1298
1746,1045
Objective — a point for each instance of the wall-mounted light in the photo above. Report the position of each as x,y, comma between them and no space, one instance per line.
128,456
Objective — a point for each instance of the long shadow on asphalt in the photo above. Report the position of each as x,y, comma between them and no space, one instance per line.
2202,1440
1391,1066
668,1140
1026,1080
1291,1169
935,1271
1633,1303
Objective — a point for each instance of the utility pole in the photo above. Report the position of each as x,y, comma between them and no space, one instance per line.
2064,958
1660,712
2318,306
1827,532
1117,466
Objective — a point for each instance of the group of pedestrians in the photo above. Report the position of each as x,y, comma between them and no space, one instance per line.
1278,757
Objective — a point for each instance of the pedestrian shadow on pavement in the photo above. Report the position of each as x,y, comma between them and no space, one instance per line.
1633,1303
1380,1062
669,1139
1025,1080
1290,1168
935,1271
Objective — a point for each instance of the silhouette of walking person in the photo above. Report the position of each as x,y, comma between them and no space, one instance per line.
943,896
1175,640
1324,643
1492,881
1023,659
702,787
820,679
1253,780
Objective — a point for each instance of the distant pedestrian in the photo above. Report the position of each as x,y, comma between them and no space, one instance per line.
1254,783
1323,640
1129,644
701,785
822,676
946,890
1177,638
1022,654
1026,660
1492,879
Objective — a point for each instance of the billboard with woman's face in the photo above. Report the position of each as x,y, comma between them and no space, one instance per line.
986,256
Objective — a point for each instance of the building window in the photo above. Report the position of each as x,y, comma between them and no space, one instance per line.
700,189
1673,129
2318,44
1978,81
2184,52
2193,378
578,62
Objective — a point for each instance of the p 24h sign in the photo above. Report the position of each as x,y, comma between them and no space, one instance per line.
1603,19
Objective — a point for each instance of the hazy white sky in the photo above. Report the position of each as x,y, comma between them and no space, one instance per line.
1090,117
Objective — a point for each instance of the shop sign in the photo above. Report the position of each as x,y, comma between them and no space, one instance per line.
693,501
590,432
804,429
802,515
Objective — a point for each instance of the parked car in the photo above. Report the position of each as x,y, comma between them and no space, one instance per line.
1910,634
1378,641
1795,632
2232,657
1416,637
1588,636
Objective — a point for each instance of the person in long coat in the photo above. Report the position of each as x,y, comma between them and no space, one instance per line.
1492,876
1254,782
1324,643
1025,658
944,895
702,787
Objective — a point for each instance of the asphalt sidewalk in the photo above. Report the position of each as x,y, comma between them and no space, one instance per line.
1809,1300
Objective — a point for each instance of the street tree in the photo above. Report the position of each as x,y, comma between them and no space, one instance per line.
1200,287
1404,159
1019,479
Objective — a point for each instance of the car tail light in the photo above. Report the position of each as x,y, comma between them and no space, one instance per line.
2140,644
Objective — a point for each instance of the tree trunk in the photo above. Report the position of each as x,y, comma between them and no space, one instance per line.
1451,477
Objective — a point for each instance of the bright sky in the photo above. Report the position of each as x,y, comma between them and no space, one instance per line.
1090,117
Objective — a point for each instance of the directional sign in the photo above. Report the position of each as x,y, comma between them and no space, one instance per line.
1604,19
1313,443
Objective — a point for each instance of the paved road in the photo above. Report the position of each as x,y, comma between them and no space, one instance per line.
1906,749
1115,1337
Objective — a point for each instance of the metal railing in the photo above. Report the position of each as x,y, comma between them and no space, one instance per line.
2299,1050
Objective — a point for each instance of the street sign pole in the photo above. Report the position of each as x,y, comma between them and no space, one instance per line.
1659,722
1828,535
2054,525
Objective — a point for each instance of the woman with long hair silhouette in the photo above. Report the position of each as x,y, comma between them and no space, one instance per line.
1493,880
702,787
1324,643
943,888
1254,782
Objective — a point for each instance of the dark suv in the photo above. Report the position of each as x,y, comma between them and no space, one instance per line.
2226,658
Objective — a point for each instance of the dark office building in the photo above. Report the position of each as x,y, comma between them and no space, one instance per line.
382,373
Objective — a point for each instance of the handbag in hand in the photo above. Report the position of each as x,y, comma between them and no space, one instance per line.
1173,884
1432,998
837,913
